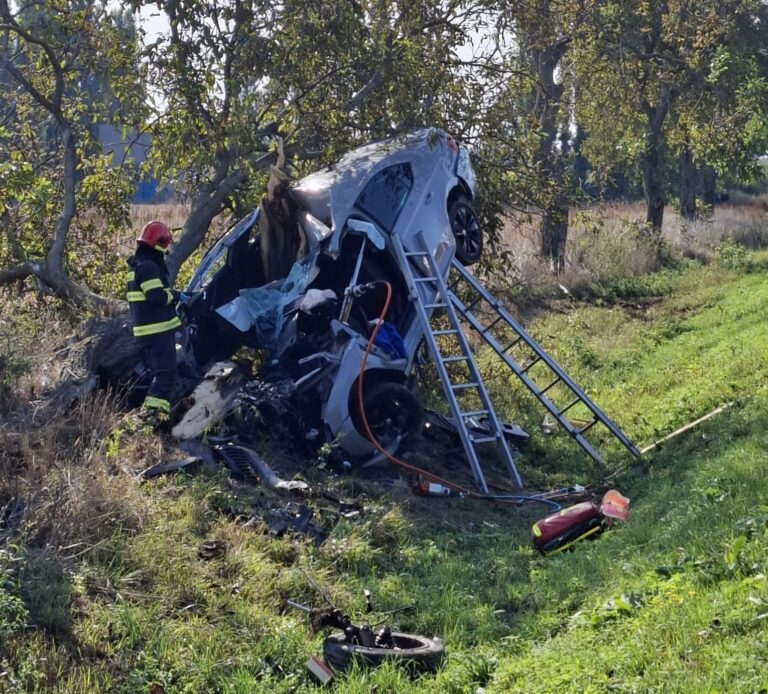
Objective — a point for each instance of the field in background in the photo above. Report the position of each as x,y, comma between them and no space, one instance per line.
607,242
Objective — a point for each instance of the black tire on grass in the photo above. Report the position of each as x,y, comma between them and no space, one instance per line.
417,653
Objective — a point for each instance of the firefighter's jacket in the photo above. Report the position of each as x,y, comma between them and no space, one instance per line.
149,294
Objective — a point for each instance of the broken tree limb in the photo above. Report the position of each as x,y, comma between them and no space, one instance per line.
685,428
280,238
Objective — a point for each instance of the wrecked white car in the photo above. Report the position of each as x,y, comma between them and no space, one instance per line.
308,276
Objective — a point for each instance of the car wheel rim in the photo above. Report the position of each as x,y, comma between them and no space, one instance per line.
466,229
391,420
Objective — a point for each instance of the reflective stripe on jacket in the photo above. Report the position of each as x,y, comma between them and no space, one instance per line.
149,295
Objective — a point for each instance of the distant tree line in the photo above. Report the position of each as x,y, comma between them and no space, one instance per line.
559,100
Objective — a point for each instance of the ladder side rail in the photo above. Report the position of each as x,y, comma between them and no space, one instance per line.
445,381
528,382
466,437
474,372
537,349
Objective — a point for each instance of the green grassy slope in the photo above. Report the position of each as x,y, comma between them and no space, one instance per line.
677,600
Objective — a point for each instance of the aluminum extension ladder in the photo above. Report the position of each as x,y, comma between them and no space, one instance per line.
492,322
471,382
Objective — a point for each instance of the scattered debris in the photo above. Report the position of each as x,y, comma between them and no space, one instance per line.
213,549
351,510
296,517
319,669
188,465
212,400
361,644
475,424
246,464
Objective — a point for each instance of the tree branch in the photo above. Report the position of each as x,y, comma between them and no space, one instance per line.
20,272
9,22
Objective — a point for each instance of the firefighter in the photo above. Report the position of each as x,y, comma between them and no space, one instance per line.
153,313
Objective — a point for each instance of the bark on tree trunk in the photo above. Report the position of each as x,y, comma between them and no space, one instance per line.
654,197
207,204
554,223
687,185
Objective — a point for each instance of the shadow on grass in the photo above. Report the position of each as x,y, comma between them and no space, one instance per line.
46,588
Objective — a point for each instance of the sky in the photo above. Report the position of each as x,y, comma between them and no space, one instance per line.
154,22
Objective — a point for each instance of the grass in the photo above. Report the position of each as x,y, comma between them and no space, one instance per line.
106,591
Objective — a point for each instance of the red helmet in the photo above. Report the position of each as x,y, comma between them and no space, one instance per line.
156,234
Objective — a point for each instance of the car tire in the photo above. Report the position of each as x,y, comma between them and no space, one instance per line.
416,653
466,229
391,411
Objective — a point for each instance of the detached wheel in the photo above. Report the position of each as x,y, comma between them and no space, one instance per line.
416,653
466,230
392,411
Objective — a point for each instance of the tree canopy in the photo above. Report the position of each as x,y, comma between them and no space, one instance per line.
629,87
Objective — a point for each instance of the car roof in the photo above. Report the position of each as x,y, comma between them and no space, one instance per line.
330,194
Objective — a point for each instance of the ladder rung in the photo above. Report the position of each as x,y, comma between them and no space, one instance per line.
464,386
483,439
531,363
488,327
415,254
587,427
510,345
445,332
474,303
476,413
434,305
424,279
555,382
569,405
448,360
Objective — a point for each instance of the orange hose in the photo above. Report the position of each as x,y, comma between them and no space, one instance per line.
369,433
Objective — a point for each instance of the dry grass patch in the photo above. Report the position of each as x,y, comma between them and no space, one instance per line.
610,241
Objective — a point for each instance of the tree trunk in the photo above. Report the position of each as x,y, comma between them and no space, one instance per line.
580,162
50,271
687,185
654,198
207,203
554,233
554,222
652,189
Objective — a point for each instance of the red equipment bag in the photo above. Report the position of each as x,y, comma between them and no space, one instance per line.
560,530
